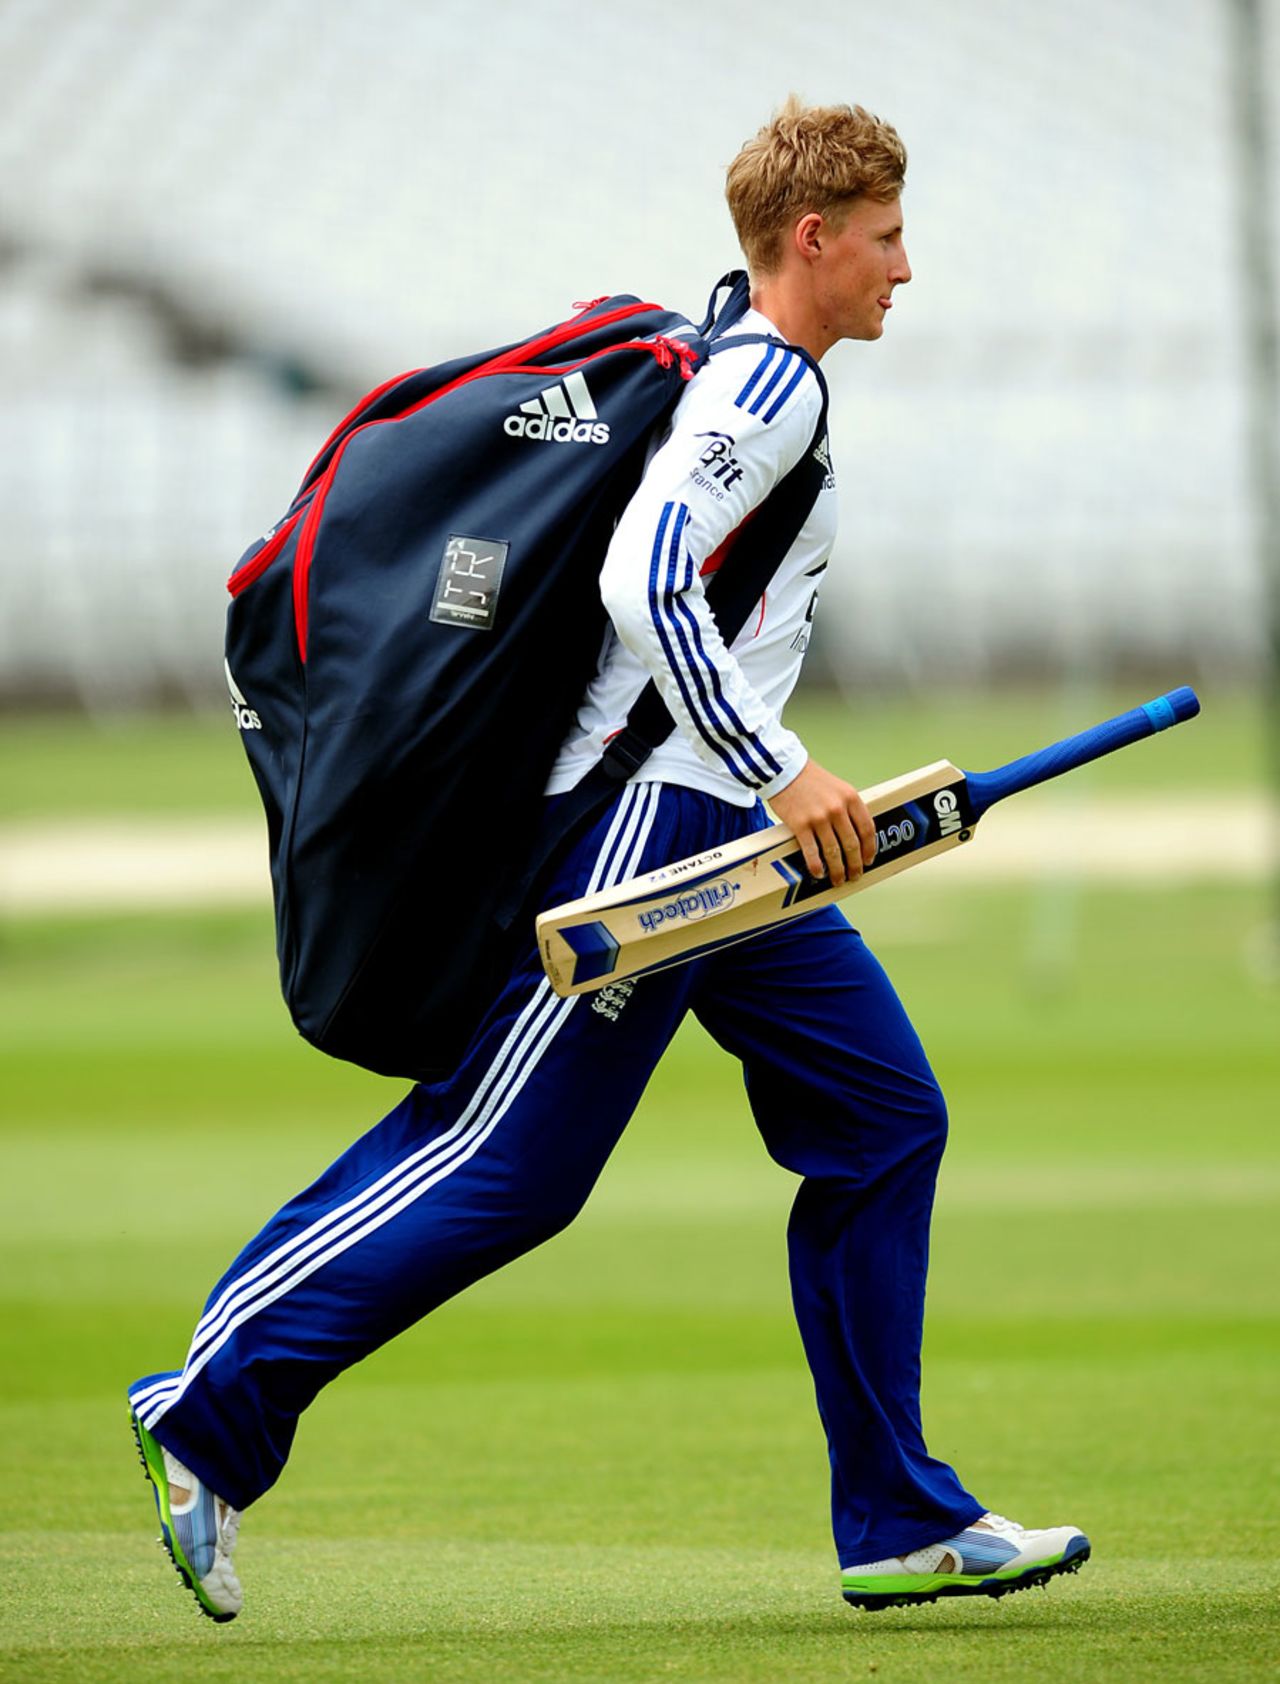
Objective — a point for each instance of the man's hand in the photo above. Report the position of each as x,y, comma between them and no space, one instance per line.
830,821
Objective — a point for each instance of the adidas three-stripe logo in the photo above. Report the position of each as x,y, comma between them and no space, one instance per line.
560,414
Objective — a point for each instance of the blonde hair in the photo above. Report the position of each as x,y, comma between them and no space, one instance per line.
809,158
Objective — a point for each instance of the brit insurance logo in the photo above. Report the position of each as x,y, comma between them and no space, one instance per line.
560,414
717,470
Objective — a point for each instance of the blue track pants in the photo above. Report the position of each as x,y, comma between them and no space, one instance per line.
467,1174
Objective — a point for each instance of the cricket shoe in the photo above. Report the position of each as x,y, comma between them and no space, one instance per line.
198,1529
990,1558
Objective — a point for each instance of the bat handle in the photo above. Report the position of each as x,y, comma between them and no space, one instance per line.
986,788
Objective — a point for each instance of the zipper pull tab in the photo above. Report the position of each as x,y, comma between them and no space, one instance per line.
685,355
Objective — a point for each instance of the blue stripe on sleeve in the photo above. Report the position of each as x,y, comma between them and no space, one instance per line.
712,729
760,367
762,396
659,595
752,750
790,387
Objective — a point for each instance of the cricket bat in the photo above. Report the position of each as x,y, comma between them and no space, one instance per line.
695,906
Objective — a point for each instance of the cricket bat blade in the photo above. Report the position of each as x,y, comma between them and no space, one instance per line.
713,899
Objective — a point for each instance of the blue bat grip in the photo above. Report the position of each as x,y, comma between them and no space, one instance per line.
986,788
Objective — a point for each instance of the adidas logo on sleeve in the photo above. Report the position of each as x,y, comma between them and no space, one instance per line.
562,414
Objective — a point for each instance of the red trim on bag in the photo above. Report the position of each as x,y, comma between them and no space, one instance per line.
664,350
366,402
257,565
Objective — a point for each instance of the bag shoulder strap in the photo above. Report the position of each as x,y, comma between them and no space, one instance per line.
719,320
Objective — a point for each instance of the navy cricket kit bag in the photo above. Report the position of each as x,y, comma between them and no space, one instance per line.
407,649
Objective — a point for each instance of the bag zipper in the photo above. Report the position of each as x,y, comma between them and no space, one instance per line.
665,351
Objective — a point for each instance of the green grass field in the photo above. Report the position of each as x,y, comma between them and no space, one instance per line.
604,1463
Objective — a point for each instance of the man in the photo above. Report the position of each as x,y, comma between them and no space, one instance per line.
468,1173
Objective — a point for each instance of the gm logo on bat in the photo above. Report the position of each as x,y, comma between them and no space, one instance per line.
944,805
688,908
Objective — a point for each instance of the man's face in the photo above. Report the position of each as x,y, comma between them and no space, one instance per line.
861,261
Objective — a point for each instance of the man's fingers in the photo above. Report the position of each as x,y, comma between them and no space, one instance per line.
813,861
841,849
823,853
833,852
865,826
850,848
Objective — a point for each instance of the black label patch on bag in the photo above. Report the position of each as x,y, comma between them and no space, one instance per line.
467,584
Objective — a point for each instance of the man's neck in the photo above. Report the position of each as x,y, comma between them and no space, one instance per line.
794,319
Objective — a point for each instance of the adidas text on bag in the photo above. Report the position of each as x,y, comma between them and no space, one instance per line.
562,414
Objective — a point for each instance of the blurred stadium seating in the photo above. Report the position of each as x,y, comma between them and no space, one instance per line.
218,222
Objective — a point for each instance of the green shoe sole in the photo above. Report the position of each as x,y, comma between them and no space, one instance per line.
907,1589
151,1455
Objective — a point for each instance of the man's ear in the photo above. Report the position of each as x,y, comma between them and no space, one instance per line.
807,235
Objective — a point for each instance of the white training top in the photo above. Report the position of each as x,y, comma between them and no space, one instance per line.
740,426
